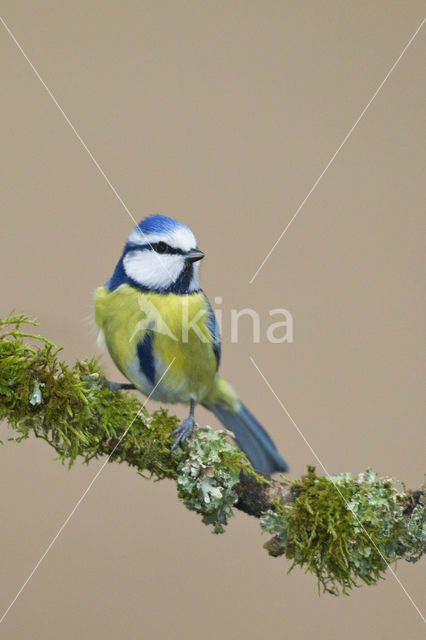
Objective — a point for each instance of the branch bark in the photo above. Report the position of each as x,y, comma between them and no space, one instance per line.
342,529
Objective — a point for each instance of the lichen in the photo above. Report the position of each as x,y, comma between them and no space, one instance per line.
342,529
208,474
345,529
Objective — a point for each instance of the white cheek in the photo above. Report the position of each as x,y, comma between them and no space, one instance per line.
152,270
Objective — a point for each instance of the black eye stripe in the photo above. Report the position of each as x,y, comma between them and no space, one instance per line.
153,246
162,247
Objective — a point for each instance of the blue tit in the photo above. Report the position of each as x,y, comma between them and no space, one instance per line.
153,312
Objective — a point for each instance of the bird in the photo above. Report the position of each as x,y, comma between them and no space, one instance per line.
161,332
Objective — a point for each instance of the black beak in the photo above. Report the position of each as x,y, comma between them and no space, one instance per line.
194,255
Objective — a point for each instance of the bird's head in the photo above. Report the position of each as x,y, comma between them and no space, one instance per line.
161,254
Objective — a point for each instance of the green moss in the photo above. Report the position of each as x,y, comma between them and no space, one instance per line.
340,528
72,410
345,529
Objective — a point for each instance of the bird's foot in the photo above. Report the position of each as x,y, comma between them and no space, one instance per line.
117,386
183,432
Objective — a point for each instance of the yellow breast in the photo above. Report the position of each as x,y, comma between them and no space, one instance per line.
180,330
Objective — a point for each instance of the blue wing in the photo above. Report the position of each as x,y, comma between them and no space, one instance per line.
215,332
146,357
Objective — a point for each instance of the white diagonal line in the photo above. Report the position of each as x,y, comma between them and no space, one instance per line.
337,488
92,482
333,157
83,144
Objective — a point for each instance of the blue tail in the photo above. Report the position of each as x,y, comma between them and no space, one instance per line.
252,438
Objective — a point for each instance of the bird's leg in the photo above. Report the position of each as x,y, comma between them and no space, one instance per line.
117,386
185,429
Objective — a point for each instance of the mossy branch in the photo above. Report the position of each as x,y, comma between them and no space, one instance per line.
340,528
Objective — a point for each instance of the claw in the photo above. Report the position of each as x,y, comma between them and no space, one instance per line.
183,432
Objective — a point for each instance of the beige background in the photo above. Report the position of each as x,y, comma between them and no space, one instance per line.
221,115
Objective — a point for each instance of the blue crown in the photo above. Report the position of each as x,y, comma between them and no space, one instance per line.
159,224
